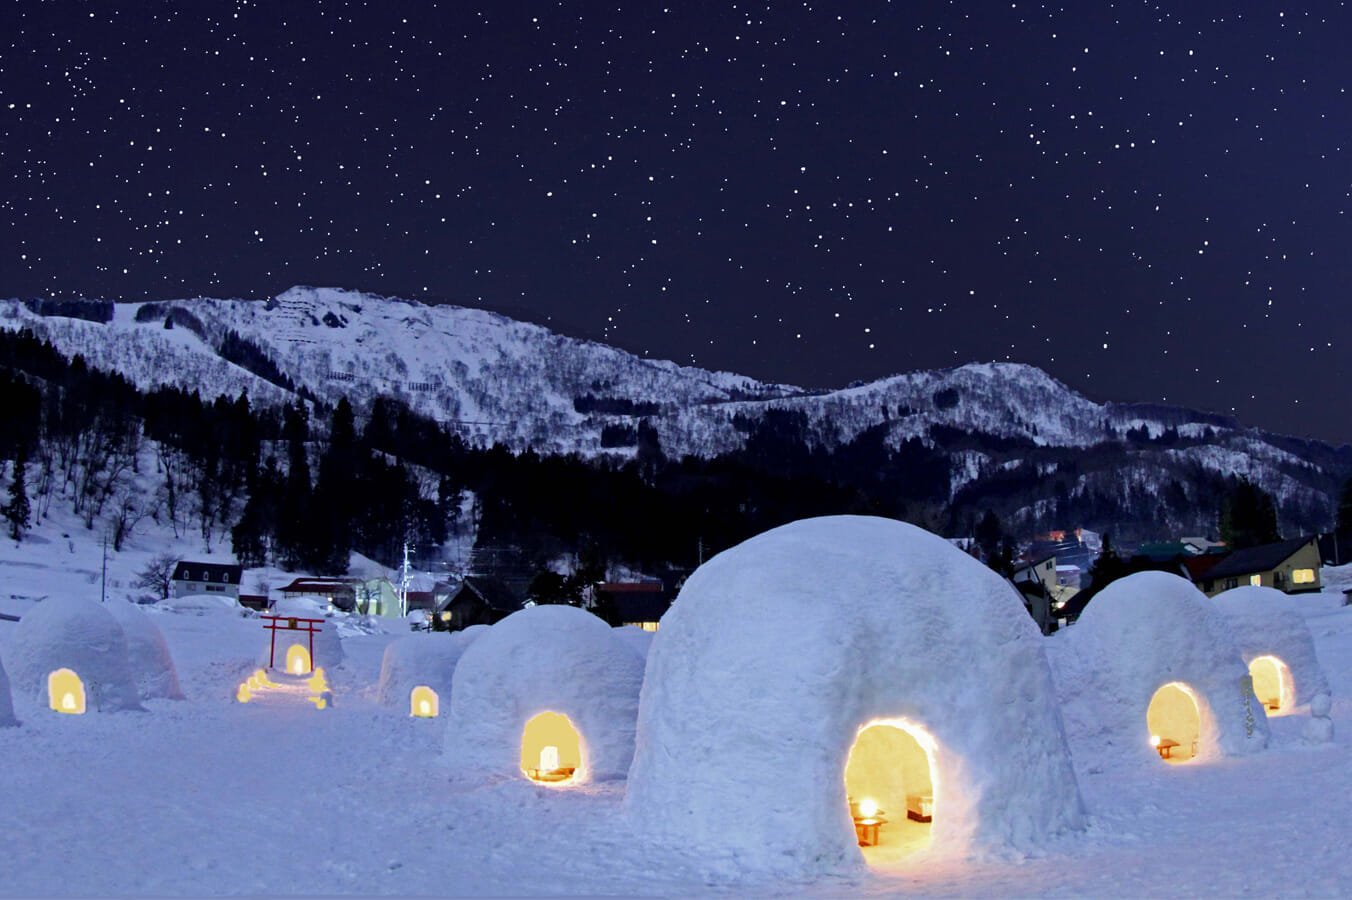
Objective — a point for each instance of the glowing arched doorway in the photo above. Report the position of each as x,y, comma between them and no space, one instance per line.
551,749
65,692
890,784
1272,684
423,702
1175,722
298,660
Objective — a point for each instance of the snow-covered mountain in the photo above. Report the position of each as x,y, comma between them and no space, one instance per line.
522,385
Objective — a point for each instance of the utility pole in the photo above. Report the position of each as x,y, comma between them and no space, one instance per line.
103,589
403,584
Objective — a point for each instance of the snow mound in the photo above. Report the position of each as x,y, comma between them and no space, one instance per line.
780,651
80,635
6,701
422,659
558,659
1137,635
147,651
1265,622
328,645
641,641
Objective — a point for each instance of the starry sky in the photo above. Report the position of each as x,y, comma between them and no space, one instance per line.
1148,200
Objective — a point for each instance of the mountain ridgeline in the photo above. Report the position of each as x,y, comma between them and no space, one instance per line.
565,443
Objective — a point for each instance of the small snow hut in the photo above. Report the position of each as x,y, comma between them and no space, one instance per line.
842,682
1151,669
1276,644
416,671
549,694
147,651
289,650
70,654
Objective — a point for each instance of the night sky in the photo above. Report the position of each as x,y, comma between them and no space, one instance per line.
1148,200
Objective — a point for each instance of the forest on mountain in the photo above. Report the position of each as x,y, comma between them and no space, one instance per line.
303,484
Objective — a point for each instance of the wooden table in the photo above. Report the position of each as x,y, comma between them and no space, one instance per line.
866,829
1165,747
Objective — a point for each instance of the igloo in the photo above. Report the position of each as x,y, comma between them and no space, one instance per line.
6,701
549,694
416,671
70,654
1151,671
147,651
297,651
847,681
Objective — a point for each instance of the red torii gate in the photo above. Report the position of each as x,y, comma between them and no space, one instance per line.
292,624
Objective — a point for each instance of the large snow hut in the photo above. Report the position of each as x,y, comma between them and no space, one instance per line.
70,654
1151,670
550,694
308,646
844,682
147,651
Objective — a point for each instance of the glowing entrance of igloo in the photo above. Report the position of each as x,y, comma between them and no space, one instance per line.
1272,684
297,660
65,692
551,749
424,702
1175,722
889,784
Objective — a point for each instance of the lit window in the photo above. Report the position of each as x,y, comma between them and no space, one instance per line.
1303,576
1256,580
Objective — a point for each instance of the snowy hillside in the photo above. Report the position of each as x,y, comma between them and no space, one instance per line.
495,380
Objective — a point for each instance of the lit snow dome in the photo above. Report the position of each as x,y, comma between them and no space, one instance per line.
416,671
1151,671
548,694
70,654
847,682
290,649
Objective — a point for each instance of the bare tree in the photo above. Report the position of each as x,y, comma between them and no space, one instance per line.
158,575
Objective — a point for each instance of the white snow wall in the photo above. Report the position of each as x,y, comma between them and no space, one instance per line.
780,649
1135,636
6,701
544,659
1265,622
147,651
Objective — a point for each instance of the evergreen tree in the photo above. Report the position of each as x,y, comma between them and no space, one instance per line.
17,510
1248,517
1345,510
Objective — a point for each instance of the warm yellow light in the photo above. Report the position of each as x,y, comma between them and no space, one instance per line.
1256,580
65,692
551,731
868,808
297,660
319,702
893,764
244,695
424,702
318,684
1174,716
1302,576
1154,740
1270,684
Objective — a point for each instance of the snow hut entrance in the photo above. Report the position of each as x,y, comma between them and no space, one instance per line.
298,660
551,749
424,702
65,692
889,783
1175,722
1272,684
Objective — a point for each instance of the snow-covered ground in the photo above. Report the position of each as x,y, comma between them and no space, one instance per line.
210,796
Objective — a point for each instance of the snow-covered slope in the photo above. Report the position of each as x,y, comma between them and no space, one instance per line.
499,380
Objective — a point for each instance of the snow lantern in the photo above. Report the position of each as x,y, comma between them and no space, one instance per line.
549,694
847,681
1276,644
416,670
70,654
6,701
148,652
288,649
1151,669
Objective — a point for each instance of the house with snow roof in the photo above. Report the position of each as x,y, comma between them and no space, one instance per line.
217,578
1290,566
479,600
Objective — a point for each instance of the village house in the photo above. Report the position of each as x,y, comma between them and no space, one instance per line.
638,603
341,592
478,600
217,579
1291,566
